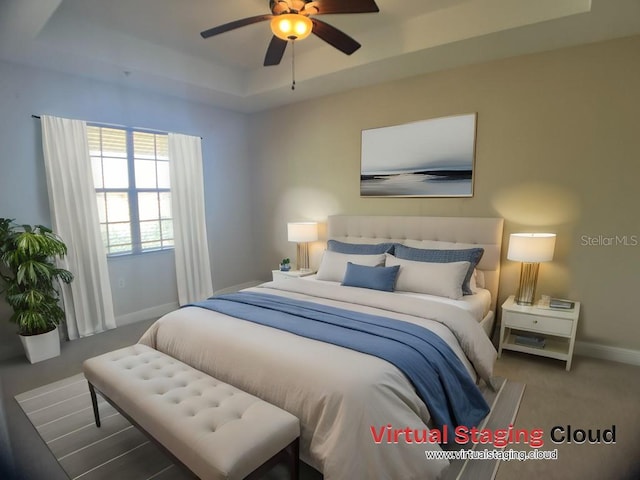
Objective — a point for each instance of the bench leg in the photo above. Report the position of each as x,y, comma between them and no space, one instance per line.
289,455
94,402
293,452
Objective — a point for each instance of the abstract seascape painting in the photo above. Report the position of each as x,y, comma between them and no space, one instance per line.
429,158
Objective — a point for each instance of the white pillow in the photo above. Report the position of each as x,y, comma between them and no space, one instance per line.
473,285
334,265
441,279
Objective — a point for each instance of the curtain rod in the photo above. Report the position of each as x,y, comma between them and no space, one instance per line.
121,126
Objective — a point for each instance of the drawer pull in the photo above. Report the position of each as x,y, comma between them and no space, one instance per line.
535,321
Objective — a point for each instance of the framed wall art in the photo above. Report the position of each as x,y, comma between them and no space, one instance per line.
429,158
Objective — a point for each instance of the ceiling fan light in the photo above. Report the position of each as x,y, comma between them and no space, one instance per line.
291,26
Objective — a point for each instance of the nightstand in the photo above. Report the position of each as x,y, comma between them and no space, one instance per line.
281,275
556,326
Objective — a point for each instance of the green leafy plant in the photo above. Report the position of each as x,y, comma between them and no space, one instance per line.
29,276
285,265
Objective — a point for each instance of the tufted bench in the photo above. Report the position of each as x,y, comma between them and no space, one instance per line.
213,429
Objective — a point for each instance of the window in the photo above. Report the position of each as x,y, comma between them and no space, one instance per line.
131,178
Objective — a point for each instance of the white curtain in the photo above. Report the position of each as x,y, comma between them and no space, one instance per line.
193,269
74,213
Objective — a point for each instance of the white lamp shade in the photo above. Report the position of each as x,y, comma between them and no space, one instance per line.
531,247
302,232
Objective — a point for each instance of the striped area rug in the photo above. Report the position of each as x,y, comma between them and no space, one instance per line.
61,413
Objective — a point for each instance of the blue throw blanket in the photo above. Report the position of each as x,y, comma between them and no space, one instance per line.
437,374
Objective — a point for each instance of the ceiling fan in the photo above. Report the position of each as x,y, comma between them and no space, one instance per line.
292,20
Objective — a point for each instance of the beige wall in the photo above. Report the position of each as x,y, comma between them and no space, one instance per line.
558,149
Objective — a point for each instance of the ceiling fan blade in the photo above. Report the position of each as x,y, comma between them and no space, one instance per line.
346,6
275,51
235,24
334,37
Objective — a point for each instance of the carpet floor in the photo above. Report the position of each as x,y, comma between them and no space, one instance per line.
62,415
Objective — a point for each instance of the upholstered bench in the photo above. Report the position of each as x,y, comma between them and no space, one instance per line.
213,429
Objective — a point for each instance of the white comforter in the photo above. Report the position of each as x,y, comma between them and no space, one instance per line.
338,394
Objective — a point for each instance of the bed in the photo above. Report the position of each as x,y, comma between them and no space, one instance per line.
345,398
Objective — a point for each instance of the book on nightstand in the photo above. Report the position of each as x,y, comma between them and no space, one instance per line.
534,341
555,304
561,304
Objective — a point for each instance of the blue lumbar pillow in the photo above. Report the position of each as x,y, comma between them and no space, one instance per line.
375,278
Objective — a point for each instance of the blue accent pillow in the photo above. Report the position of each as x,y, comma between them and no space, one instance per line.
360,248
471,255
375,278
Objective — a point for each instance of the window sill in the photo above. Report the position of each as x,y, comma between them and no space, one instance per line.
118,256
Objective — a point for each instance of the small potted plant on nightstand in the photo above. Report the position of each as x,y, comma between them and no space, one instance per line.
285,265
28,280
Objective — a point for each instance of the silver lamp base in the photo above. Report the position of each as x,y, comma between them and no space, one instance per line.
528,279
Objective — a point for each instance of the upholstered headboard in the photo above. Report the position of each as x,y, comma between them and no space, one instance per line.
483,232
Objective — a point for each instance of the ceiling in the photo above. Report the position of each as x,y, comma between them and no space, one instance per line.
156,44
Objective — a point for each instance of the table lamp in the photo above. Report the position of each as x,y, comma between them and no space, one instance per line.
530,249
302,233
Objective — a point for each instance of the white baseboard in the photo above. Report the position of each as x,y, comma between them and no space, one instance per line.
145,314
158,311
605,352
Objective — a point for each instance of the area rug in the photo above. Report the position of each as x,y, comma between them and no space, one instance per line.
62,415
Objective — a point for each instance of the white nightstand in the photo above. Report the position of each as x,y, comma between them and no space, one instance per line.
558,327
280,275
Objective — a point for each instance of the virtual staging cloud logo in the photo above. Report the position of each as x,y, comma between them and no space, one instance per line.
499,438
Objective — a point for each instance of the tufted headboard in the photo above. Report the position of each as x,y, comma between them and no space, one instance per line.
483,232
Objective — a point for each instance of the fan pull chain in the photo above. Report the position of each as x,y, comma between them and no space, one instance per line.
293,64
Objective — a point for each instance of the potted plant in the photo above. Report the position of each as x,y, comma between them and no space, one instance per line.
285,265
28,280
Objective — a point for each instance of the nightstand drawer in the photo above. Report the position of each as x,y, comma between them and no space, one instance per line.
552,326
